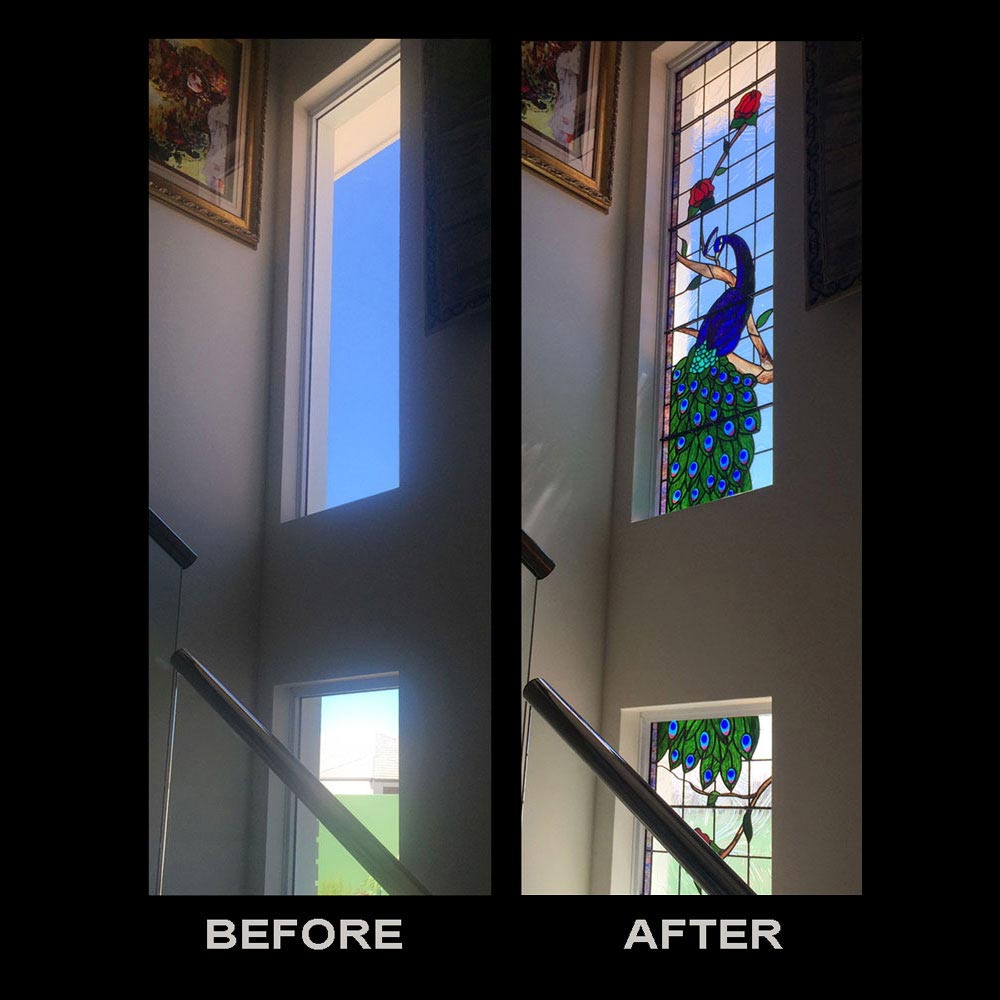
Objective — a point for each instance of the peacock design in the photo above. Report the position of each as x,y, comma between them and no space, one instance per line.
716,747
713,406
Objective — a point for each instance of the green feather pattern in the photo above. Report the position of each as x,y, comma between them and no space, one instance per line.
710,443
725,749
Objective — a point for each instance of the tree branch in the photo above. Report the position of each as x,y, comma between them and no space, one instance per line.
709,270
739,833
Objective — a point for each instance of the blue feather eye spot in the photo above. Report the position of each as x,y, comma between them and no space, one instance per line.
704,392
710,482
695,493
681,441
677,374
703,739
730,493
748,381
672,729
723,376
729,399
716,396
674,754
747,396
689,760
724,461
708,443
681,389
675,468
746,741
722,486
731,775
744,456
713,414
729,428
714,370
697,418
708,775
692,468
694,384
675,496
725,726
750,423
737,475
684,405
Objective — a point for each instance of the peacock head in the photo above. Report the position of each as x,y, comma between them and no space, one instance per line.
719,244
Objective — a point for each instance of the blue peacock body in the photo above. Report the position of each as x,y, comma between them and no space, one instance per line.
713,407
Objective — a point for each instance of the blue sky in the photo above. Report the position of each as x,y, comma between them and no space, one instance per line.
363,430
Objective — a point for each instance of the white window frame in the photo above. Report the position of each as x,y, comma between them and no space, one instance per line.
665,62
630,836
285,835
304,437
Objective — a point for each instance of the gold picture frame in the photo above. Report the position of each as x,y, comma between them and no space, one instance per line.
569,108
206,130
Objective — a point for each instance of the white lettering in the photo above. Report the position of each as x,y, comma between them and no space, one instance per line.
730,932
354,929
773,927
702,926
387,934
282,929
670,928
255,934
640,934
221,928
319,921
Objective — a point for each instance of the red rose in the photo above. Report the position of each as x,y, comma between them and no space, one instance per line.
746,110
702,190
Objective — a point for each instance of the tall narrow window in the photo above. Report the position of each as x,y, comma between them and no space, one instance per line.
718,350
352,446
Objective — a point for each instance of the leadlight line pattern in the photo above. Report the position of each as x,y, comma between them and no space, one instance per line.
740,833
716,442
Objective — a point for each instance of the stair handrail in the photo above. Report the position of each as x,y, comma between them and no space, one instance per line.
534,558
170,541
707,869
370,852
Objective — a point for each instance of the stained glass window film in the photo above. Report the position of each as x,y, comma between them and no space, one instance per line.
719,341
716,773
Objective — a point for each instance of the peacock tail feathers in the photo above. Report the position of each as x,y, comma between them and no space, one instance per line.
716,747
713,420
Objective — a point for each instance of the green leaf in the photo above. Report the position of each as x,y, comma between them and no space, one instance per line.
712,799
695,282
684,248
764,317
747,826
720,172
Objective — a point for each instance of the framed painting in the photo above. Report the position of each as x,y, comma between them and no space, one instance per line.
569,103
206,130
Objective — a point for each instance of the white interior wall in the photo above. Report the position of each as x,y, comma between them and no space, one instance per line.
401,580
209,338
759,594
572,269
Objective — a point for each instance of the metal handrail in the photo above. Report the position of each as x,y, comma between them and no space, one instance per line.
707,869
534,558
170,541
336,817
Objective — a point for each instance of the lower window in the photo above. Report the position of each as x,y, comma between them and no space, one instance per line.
716,773
347,734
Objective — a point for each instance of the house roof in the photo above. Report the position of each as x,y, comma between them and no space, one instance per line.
382,765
